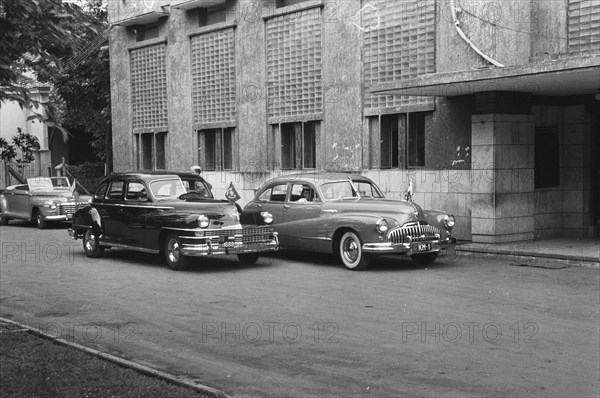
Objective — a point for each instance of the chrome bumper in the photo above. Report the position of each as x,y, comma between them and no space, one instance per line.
62,217
210,248
445,247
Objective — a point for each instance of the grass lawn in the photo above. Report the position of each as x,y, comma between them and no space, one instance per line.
31,366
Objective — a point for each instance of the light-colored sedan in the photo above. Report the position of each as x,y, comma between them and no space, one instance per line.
42,199
348,215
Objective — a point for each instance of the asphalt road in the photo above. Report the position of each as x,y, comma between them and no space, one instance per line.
293,326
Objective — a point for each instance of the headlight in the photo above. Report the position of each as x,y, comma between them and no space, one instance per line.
449,221
203,221
382,225
267,217
52,206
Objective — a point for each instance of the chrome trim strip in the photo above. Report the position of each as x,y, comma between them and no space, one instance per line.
137,206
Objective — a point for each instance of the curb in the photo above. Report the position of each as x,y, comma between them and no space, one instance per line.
146,370
584,261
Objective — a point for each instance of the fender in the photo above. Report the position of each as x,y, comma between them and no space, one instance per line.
96,219
87,218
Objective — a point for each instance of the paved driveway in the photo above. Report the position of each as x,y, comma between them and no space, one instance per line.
289,326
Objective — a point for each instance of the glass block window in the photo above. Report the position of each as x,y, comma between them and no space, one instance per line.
213,77
294,64
399,44
149,87
584,25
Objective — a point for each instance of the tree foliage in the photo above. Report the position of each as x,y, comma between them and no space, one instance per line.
32,33
83,85
25,142
59,43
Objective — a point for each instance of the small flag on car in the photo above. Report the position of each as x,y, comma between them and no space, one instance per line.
232,195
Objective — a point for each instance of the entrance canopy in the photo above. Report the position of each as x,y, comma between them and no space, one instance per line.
560,77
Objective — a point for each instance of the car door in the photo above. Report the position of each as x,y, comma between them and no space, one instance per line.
19,202
272,199
298,225
109,207
135,210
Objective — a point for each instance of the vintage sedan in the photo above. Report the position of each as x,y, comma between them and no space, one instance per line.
347,215
155,213
42,199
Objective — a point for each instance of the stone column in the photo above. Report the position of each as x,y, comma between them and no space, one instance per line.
503,178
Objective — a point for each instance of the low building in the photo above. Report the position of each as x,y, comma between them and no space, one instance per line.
52,145
250,89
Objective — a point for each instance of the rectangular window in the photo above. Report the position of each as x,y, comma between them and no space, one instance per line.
389,141
299,145
415,145
547,159
212,15
146,32
215,148
150,151
401,139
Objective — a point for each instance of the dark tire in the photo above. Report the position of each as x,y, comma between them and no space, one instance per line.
39,220
3,219
175,260
425,258
248,258
350,252
91,244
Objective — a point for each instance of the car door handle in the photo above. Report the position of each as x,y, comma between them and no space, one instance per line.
329,211
285,207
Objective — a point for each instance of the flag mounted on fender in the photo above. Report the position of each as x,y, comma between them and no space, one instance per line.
232,195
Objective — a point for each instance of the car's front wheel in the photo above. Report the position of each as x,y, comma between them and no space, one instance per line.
175,259
248,258
39,220
91,244
425,258
351,253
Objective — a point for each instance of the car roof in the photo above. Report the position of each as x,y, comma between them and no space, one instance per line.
319,177
140,175
180,174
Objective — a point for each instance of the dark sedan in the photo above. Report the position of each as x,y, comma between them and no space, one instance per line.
156,213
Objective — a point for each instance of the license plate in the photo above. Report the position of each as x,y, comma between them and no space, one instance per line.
423,247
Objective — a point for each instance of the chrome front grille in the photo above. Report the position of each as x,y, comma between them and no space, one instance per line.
70,208
257,234
414,233
223,232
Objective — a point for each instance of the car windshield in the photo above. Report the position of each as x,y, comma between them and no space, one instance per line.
167,189
198,187
60,182
48,183
348,190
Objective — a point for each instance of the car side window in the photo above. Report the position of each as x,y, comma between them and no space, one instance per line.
100,191
276,193
136,191
115,190
303,193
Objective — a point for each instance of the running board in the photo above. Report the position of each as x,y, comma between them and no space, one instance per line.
121,246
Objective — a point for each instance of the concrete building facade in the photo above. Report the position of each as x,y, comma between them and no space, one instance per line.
250,89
